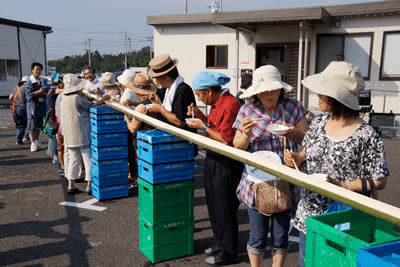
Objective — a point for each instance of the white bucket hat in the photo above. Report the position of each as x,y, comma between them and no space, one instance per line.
340,80
265,78
108,79
72,83
126,77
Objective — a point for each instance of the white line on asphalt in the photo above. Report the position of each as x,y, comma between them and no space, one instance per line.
84,205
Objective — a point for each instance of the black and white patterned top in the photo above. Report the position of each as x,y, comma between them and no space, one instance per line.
358,156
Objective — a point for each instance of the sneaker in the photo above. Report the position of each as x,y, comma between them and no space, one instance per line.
221,259
213,250
55,160
19,143
133,184
89,190
40,145
72,190
34,147
26,140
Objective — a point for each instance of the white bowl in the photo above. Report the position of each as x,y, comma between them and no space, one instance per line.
192,120
278,128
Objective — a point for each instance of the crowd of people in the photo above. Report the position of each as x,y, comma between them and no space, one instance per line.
337,143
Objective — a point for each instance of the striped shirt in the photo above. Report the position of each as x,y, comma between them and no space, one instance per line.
262,139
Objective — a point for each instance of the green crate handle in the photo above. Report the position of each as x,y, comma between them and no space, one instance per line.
336,246
145,188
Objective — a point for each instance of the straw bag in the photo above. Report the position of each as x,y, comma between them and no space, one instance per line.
273,197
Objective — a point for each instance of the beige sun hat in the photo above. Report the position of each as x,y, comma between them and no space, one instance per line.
72,83
142,84
265,78
340,80
161,65
108,79
126,77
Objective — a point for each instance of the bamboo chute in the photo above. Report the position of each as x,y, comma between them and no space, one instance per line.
365,204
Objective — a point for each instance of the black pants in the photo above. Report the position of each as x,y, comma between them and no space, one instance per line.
132,155
221,178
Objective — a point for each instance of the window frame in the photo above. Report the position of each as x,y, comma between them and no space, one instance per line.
215,66
387,78
344,35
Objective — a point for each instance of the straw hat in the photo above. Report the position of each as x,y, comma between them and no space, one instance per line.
161,65
108,79
266,78
142,85
340,80
126,77
72,83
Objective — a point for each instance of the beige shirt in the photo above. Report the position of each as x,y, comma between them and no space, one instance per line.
75,121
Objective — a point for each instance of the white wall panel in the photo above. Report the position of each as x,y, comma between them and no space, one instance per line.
8,42
32,49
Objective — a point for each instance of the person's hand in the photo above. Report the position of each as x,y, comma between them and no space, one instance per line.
141,109
98,91
154,98
196,123
126,103
42,90
192,109
335,182
289,157
291,129
155,108
247,126
127,118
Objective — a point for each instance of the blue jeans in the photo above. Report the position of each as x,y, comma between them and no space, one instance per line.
302,249
280,223
21,122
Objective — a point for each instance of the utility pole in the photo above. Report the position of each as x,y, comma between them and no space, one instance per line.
89,41
185,6
126,49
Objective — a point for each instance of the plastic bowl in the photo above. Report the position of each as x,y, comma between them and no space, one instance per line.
192,120
278,129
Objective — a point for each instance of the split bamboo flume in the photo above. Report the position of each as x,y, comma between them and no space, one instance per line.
365,204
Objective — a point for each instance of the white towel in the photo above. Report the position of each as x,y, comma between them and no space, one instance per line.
170,94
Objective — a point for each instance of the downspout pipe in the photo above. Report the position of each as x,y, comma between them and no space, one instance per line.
300,63
306,64
237,61
19,53
45,50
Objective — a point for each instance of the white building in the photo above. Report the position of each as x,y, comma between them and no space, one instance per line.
299,41
21,44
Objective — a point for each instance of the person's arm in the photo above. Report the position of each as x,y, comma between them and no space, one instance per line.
242,138
134,124
297,132
171,117
198,124
356,185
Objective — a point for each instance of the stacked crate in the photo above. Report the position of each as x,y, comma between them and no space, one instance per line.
165,187
109,152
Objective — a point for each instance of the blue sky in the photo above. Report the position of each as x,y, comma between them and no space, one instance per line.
107,21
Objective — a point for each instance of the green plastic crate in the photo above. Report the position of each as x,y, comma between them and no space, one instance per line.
327,246
165,202
165,241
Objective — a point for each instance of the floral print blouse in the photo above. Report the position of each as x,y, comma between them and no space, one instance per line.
356,157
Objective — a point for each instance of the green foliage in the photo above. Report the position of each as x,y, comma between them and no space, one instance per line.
102,63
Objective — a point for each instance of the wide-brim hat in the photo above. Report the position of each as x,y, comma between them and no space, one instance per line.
340,80
126,77
108,79
142,84
161,65
72,83
266,78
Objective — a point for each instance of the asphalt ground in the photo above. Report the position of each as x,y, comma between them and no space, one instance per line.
35,230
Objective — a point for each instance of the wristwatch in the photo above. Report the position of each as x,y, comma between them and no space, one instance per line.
205,128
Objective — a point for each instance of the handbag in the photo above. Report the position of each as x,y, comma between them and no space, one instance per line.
273,197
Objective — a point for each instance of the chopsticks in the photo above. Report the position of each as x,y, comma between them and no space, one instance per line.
294,162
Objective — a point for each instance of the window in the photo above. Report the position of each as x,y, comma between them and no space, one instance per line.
217,56
353,48
9,69
390,67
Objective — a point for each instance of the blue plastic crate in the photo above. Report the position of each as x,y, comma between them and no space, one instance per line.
109,192
109,152
162,153
109,139
103,110
100,117
108,126
113,166
158,137
110,178
166,172
380,255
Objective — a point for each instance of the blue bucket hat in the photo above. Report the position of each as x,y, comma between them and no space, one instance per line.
206,79
56,77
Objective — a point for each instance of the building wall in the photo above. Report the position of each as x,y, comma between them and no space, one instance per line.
32,49
384,93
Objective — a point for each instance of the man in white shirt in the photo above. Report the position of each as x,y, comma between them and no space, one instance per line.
92,81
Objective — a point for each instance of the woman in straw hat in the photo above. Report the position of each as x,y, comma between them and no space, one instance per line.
141,88
338,143
109,84
75,125
268,106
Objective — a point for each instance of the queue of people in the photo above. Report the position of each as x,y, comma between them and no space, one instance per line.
337,143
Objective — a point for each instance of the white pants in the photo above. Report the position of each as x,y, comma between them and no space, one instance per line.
75,156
